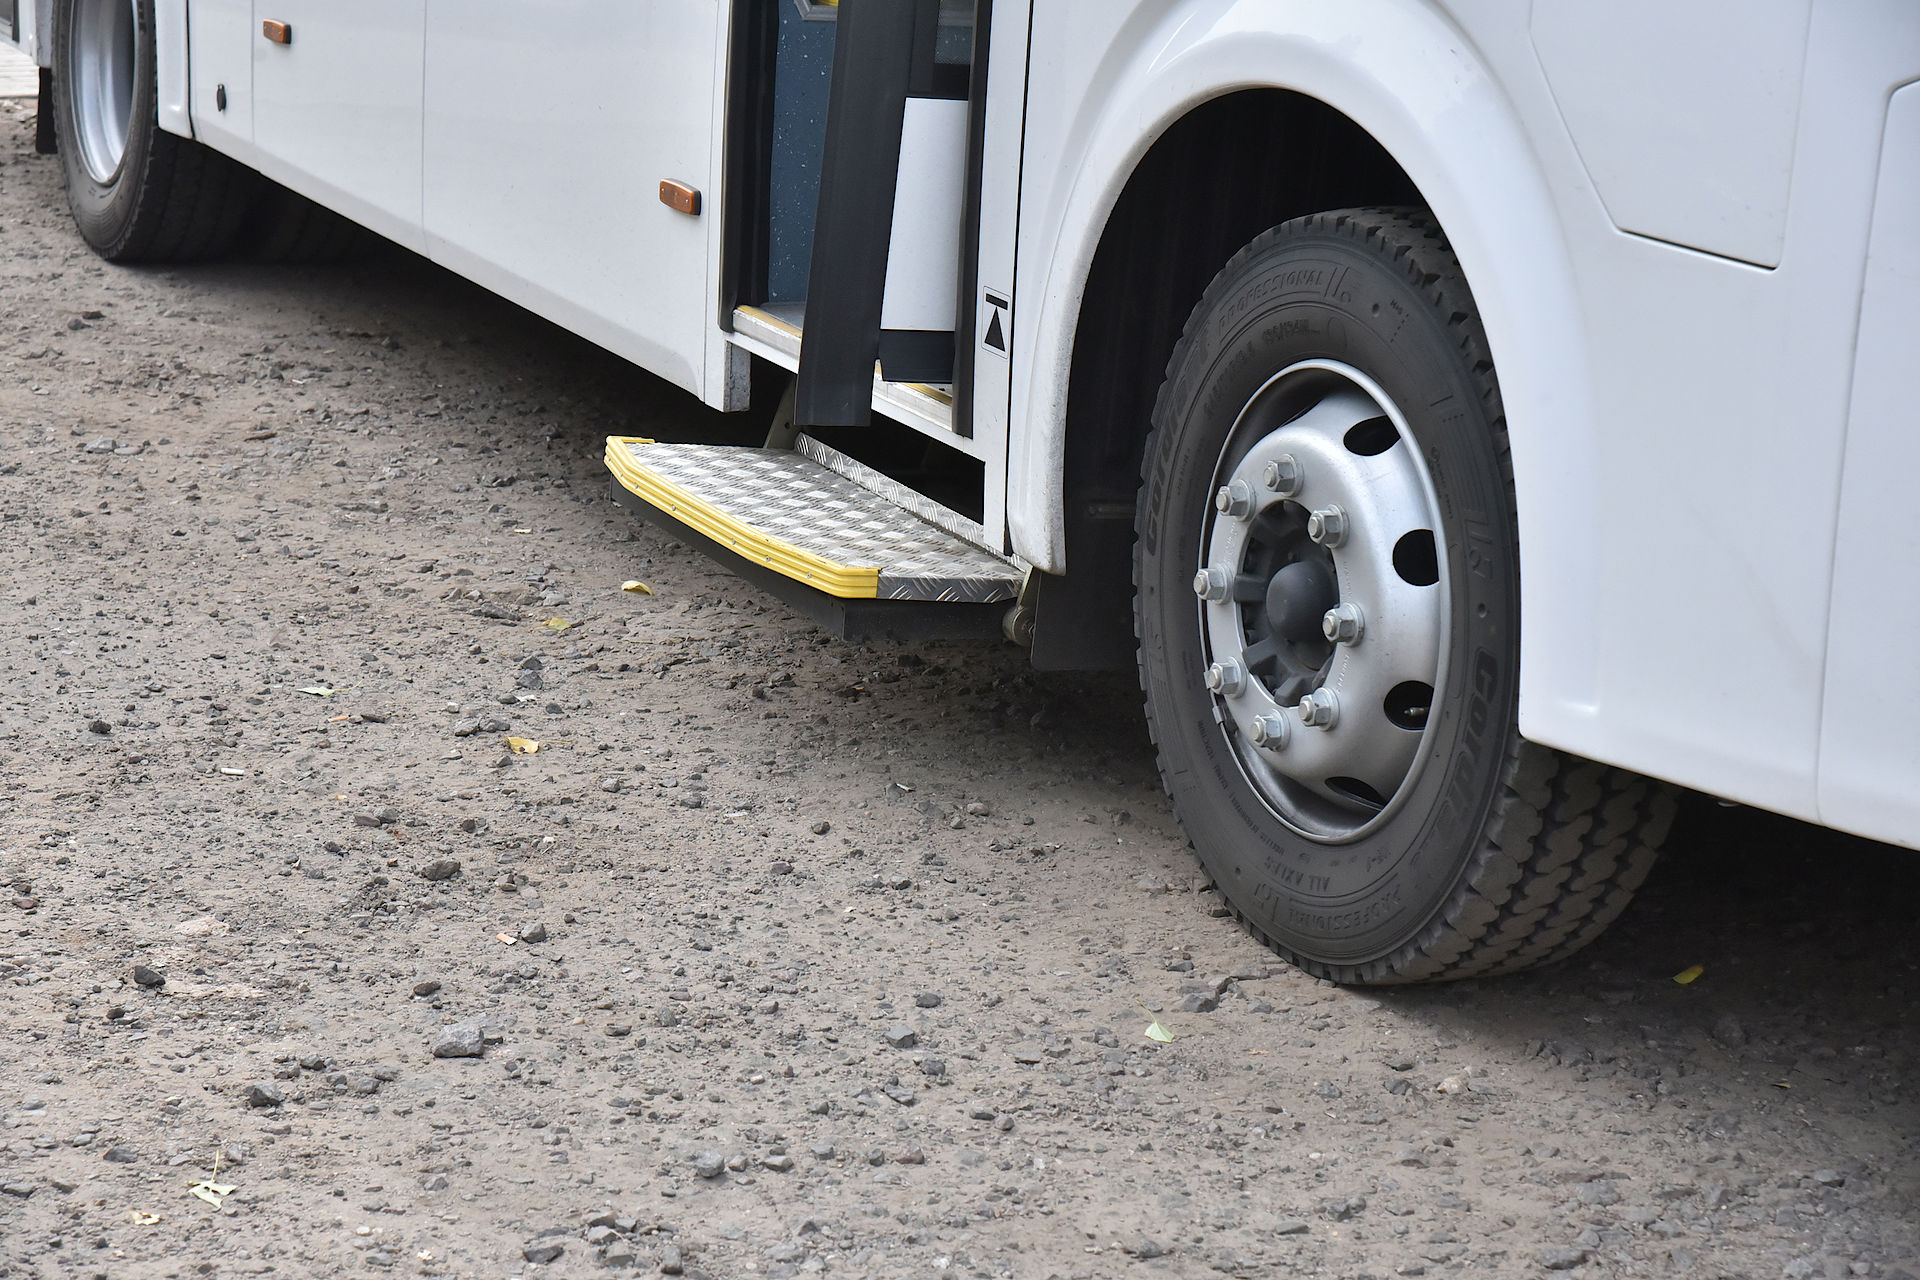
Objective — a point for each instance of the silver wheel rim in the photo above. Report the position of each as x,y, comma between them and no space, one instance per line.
106,52
1323,599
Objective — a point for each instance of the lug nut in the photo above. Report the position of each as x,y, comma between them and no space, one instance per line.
1343,624
1284,475
1321,708
1212,584
1327,526
1226,678
1270,731
1235,500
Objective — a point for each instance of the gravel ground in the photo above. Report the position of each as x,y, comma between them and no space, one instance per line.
780,956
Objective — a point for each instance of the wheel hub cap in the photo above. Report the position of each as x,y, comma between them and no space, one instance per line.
1336,608
106,51
1298,597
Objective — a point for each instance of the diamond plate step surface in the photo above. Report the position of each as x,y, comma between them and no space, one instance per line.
799,518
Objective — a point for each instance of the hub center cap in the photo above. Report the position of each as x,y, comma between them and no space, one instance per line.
1298,597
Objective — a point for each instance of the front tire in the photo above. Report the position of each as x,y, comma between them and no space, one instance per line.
1336,712
138,193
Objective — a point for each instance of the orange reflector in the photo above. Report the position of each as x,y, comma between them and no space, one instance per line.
679,197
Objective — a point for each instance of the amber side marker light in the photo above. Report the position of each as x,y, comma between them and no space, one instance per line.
679,197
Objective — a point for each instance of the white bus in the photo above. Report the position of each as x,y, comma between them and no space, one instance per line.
1473,418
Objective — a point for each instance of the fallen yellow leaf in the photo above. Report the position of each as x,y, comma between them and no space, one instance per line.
1688,974
522,746
556,624
636,586
1157,1032
210,1191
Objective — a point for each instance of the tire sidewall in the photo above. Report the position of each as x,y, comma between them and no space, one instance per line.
105,211
1309,291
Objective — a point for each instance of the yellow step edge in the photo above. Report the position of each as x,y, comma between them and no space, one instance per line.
849,582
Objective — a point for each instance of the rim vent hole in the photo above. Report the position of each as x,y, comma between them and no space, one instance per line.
1416,559
1372,437
1355,789
1408,703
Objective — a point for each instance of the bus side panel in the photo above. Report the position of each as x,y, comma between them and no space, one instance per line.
171,65
220,35
1870,736
544,159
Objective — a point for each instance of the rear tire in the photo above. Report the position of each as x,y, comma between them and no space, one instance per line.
138,193
1392,827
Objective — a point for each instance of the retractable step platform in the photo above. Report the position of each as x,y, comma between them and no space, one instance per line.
865,564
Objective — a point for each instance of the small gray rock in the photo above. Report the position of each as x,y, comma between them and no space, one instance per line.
120,1153
1149,1248
928,1000
148,977
709,1164
1562,1257
423,989
779,1164
670,1264
1830,1177
439,869
1342,1209
1598,1193
543,1251
263,1095
902,1036
461,1040
1198,1002
1291,1227
535,932
465,728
